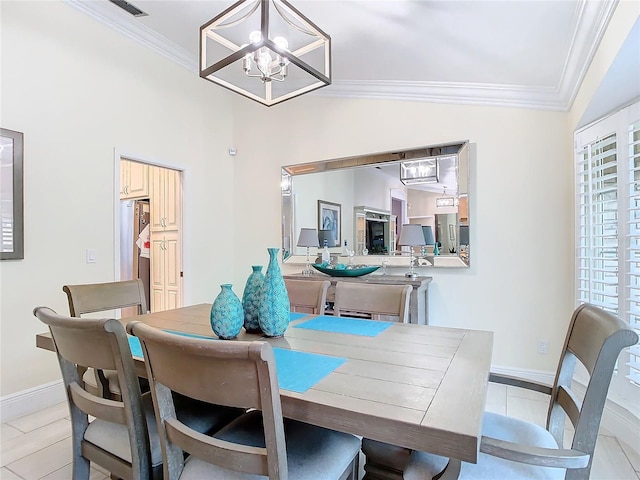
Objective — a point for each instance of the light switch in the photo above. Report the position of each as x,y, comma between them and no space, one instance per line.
91,255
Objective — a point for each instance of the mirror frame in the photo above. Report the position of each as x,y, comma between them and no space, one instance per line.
461,259
14,204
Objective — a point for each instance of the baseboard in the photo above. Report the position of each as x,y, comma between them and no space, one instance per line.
615,418
31,400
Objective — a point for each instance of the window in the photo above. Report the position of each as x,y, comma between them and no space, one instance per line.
608,229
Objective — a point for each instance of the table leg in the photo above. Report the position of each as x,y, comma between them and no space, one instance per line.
383,461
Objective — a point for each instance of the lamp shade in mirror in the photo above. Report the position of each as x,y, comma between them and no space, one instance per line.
327,236
308,238
411,235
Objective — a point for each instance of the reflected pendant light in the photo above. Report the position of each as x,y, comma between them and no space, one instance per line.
265,50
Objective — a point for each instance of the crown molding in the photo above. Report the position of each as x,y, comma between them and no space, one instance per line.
448,92
591,20
111,16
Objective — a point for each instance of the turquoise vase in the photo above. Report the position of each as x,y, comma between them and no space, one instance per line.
226,313
251,299
274,307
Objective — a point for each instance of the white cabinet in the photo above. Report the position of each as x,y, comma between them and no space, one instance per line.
134,179
166,199
166,271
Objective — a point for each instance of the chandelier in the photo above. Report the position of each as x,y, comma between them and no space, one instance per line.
265,50
424,170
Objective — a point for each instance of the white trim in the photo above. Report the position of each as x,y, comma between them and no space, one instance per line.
113,17
534,375
30,400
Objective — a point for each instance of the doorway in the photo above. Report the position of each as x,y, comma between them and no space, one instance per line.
150,231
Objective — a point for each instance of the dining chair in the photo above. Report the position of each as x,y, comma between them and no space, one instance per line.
257,445
515,449
102,297
123,436
374,300
308,296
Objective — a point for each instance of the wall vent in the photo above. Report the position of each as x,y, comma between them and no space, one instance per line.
130,8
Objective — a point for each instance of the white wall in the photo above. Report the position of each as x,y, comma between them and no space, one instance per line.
77,89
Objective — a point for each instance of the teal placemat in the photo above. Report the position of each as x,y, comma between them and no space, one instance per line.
136,349
296,315
352,326
299,371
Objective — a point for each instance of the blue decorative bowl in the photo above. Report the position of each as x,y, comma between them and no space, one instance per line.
346,272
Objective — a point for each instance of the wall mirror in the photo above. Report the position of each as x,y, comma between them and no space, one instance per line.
378,193
11,199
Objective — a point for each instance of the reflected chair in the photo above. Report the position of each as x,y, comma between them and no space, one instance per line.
256,445
372,300
307,296
103,297
515,449
123,437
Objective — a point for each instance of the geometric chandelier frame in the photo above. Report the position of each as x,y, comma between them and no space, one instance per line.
265,50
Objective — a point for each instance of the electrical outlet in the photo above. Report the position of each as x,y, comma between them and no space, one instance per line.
543,347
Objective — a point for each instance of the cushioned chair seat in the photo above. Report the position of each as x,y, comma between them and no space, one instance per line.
424,466
312,452
202,417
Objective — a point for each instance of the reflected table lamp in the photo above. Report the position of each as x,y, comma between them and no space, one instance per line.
308,238
411,236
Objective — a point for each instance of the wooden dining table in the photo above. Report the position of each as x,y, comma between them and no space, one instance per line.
421,387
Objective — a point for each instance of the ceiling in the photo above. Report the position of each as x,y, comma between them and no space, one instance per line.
521,53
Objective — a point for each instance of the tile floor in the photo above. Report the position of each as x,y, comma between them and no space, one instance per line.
38,446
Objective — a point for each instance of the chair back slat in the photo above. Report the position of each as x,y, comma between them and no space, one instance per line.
569,403
373,299
239,374
83,346
252,460
99,297
109,410
308,296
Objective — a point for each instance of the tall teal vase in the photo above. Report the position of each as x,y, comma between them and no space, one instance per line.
226,314
251,299
274,307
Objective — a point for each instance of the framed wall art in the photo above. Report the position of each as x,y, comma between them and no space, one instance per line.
330,218
11,195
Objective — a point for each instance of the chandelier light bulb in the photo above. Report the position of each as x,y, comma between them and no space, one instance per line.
281,42
255,36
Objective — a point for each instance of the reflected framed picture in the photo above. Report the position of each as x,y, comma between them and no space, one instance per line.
11,199
329,223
